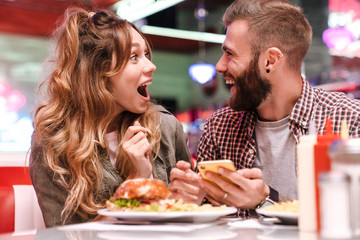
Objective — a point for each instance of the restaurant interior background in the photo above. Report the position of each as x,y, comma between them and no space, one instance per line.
25,26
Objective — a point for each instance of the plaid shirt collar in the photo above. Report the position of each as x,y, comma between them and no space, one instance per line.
302,111
300,115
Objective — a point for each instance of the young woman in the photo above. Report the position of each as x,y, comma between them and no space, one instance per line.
97,126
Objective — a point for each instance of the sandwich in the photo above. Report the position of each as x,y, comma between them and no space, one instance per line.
150,195
140,194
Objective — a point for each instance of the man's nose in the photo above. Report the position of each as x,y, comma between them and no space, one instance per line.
220,65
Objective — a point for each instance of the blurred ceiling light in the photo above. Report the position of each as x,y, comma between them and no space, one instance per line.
338,38
134,10
202,72
184,34
201,12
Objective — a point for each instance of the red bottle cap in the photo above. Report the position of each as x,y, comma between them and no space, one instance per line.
328,136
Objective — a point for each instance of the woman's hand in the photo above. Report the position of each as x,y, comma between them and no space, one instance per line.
137,147
185,184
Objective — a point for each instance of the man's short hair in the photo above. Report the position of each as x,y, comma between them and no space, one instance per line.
274,23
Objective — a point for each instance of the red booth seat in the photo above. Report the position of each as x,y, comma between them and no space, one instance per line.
14,176
7,208
18,202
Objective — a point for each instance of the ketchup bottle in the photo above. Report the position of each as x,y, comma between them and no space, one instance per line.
322,162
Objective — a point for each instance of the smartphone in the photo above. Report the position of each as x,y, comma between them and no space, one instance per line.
213,167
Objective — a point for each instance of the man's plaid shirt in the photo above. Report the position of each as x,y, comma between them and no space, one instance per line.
230,134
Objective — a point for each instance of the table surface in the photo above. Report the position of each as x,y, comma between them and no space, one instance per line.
226,228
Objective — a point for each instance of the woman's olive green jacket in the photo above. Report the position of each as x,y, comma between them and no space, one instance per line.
51,196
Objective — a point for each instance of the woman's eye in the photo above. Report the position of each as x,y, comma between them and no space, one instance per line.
134,57
147,54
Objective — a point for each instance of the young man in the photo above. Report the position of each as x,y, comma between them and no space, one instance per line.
270,108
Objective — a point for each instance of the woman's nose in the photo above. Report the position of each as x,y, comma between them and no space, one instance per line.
150,66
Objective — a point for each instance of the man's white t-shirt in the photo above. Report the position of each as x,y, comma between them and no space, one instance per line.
276,157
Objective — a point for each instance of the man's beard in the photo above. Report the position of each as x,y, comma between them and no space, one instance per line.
251,90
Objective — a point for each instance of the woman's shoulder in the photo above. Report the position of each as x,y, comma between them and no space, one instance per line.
35,149
165,114
168,122
162,109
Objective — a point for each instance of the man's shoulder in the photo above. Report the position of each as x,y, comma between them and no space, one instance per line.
226,112
228,115
337,100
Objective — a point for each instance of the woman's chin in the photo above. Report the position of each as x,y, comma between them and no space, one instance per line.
139,109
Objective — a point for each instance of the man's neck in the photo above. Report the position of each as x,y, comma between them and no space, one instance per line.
281,101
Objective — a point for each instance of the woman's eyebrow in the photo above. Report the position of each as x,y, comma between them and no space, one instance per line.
135,44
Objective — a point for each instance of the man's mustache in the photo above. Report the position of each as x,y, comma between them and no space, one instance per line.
227,75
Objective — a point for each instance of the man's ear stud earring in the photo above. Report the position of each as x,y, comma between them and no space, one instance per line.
268,70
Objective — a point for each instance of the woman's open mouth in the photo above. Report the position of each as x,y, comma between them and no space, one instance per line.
142,89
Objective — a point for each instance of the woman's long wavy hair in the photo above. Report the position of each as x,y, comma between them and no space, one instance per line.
72,122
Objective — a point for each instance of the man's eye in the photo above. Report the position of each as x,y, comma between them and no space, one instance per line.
228,53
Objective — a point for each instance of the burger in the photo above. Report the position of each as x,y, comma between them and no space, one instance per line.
140,194
150,195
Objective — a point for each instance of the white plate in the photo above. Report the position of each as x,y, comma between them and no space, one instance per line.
194,216
284,217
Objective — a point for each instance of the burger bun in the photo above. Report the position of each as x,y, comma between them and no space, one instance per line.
142,188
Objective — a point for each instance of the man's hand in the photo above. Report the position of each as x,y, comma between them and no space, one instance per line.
246,191
185,184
